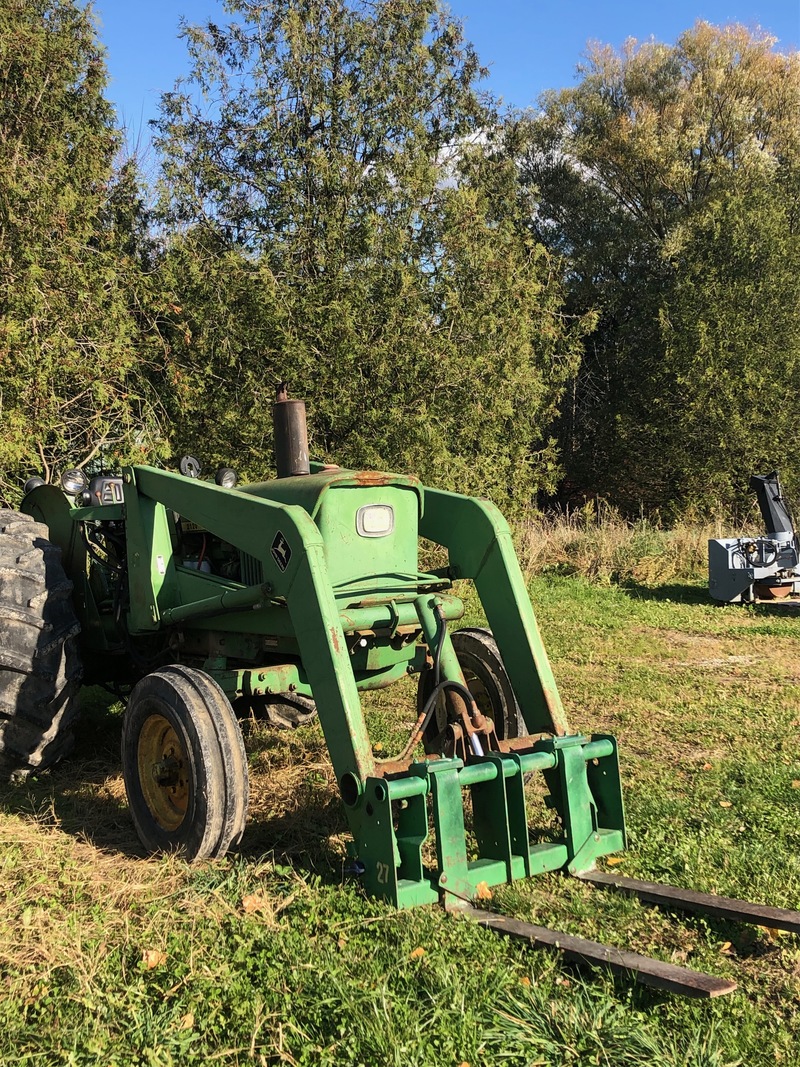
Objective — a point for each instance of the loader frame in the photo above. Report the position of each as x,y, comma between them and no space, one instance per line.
393,807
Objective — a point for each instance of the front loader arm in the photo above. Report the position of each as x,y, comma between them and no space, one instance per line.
479,543
290,548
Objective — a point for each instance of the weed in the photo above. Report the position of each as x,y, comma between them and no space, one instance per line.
596,542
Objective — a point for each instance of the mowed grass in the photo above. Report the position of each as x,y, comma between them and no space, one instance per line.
274,955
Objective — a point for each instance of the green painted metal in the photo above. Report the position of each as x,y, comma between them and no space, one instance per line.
48,504
398,612
308,491
229,600
590,806
272,617
151,568
391,854
288,678
332,498
479,543
437,635
322,605
254,524
373,562
496,847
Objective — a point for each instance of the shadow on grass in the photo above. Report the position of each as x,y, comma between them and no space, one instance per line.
296,815
300,841
674,593
774,609
83,795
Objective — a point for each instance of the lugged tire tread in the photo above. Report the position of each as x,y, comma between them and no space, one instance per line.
40,668
18,520
32,618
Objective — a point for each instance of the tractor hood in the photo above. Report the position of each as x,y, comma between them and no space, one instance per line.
308,490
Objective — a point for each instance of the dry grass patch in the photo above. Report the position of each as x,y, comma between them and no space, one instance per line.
65,903
295,809
598,543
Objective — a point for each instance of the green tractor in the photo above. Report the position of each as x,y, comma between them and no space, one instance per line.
288,597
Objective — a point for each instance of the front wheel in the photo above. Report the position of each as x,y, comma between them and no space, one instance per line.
184,764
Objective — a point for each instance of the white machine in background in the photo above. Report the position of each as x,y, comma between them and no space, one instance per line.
745,569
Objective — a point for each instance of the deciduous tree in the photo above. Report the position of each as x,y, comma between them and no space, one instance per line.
669,179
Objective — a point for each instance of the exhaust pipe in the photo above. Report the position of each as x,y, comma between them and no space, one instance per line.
291,434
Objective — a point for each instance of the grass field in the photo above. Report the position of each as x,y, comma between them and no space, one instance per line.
273,955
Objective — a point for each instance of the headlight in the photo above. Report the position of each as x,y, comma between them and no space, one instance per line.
226,477
375,520
74,482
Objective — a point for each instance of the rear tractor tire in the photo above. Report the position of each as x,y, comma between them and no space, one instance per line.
184,764
40,667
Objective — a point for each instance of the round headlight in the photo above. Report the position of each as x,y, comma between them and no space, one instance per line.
74,482
226,477
33,483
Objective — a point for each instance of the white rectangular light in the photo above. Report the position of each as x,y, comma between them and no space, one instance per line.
375,520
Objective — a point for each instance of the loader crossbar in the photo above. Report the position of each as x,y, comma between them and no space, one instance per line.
399,812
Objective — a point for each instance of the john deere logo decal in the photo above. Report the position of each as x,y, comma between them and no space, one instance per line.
281,552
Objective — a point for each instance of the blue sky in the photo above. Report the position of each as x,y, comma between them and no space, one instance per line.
529,46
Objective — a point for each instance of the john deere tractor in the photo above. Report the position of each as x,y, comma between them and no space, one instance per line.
295,595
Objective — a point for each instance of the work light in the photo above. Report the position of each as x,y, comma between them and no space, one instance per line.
74,482
226,477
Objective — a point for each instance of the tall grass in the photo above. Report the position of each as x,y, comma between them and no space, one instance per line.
596,542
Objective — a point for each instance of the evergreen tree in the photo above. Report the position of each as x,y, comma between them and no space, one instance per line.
69,384
351,221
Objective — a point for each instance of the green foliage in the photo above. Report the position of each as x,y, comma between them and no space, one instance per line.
669,178
731,332
352,222
68,385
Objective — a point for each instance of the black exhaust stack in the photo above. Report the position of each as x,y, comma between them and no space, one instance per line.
291,434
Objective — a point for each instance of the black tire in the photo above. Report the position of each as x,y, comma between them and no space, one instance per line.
486,680
184,764
40,666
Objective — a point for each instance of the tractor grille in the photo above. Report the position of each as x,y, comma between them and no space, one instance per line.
252,572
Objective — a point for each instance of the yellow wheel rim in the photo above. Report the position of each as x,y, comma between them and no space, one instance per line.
163,772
